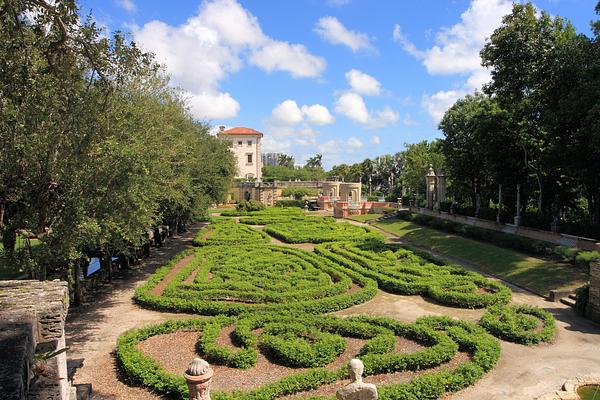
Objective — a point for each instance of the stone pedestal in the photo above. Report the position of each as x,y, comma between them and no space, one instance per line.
357,389
430,181
199,377
593,308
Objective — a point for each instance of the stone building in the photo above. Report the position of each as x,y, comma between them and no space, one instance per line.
245,145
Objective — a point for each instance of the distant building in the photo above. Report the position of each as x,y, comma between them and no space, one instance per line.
245,145
271,159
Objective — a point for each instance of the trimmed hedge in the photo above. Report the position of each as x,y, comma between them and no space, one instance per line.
320,230
520,323
235,279
228,232
443,337
577,257
401,271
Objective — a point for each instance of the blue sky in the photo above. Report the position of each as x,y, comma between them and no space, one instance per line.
350,79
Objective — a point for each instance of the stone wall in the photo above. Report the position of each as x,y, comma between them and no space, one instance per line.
32,321
593,308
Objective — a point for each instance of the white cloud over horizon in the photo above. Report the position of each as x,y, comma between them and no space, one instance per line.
334,32
215,43
353,106
127,5
456,51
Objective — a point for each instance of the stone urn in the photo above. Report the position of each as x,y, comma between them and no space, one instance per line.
199,377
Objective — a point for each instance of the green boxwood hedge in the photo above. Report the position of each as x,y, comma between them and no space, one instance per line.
401,271
231,280
225,231
520,323
320,230
443,337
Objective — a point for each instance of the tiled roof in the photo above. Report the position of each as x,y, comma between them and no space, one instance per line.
240,131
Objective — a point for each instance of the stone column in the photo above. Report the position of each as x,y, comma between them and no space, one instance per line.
199,377
593,307
518,216
430,186
441,187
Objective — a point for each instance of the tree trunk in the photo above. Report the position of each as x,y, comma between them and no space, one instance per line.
9,240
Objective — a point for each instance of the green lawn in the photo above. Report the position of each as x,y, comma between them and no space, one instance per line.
538,275
364,217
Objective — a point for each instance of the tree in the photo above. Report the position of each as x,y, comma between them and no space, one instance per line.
521,54
315,162
417,159
285,161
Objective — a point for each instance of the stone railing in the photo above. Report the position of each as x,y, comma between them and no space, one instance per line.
32,328
532,233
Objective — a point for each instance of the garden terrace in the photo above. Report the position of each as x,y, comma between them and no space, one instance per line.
235,279
320,230
227,232
401,271
307,355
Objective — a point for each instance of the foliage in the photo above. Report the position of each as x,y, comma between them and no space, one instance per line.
417,159
227,232
523,324
298,193
286,173
249,206
575,256
443,337
400,271
235,279
96,148
290,203
319,230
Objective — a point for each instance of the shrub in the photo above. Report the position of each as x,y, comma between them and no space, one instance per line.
235,279
249,206
225,231
441,336
520,323
298,193
319,230
401,271
290,203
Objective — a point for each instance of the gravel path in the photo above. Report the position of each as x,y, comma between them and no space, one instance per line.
92,329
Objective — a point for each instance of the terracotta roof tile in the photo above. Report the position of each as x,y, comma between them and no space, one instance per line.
240,131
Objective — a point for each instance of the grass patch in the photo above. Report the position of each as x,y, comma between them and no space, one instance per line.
364,217
535,274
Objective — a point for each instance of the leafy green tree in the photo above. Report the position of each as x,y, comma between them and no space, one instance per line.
285,160
417,159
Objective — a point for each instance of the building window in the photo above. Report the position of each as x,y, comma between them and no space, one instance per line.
239,142
249,156
249,142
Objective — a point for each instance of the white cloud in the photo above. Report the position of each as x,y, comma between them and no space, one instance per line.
456,51
318,115
406,44
353,106
333,31
212,105
363,83
437,104
215,43
292,58
127,5
456,48
375,139
287,113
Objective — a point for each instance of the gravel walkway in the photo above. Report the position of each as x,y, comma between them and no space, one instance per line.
92,329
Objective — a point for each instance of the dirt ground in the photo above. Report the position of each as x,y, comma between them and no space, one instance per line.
522,373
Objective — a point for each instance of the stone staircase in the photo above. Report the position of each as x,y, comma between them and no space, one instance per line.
569,300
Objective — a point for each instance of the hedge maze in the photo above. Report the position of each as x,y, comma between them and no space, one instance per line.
272,299
400,271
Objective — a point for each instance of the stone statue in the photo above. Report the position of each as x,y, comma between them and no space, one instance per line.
357,389
199,376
